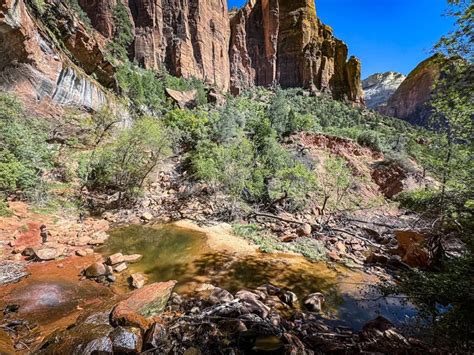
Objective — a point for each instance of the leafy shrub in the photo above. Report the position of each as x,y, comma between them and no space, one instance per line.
24,153
370,139
125,164
4,210
192,126
123,36
334,181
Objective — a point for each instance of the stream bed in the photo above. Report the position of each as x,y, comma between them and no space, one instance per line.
175,253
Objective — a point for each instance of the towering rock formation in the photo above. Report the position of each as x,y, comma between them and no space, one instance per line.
283,42
379,87
48,50
411,100
190,37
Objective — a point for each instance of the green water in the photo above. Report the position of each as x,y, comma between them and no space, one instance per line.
173,253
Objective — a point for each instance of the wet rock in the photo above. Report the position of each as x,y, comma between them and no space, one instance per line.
84,338
252,303
116,258
289,298
219,295
134,258
314,302
11,271
95,270
120,267
137,280
142,304
305,230
155,336
126,340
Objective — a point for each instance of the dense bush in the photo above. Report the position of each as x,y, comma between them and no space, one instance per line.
123,36
124,165
24,153
146,87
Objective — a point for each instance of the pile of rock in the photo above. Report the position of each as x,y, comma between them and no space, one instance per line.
104,271
267,318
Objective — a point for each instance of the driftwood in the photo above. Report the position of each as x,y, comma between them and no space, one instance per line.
357,236
267,215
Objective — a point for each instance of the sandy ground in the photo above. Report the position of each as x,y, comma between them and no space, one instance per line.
220,238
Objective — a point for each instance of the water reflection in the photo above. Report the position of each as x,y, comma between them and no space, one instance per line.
170,252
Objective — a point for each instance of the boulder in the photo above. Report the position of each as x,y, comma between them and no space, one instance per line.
184,99
154,337
95,270
305,230
116,258
252,303
142,304
219,295
314,302
137,280
412,247
81,252
126,340
146,217
120,267
46,254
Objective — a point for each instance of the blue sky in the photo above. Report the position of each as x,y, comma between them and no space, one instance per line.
387,35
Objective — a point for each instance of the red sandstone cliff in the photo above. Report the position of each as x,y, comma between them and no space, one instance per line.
283,42
266,42
411,100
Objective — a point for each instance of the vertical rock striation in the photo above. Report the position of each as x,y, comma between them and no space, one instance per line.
267,42
283,42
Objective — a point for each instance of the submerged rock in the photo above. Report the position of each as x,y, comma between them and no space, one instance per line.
134,258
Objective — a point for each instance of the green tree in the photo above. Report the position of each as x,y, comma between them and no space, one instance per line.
125,164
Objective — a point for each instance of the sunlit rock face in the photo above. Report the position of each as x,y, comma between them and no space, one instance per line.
54,57
379,87
284,42
32,65
411,101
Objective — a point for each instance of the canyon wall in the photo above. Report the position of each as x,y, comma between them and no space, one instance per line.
267,42
283,42
411,101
